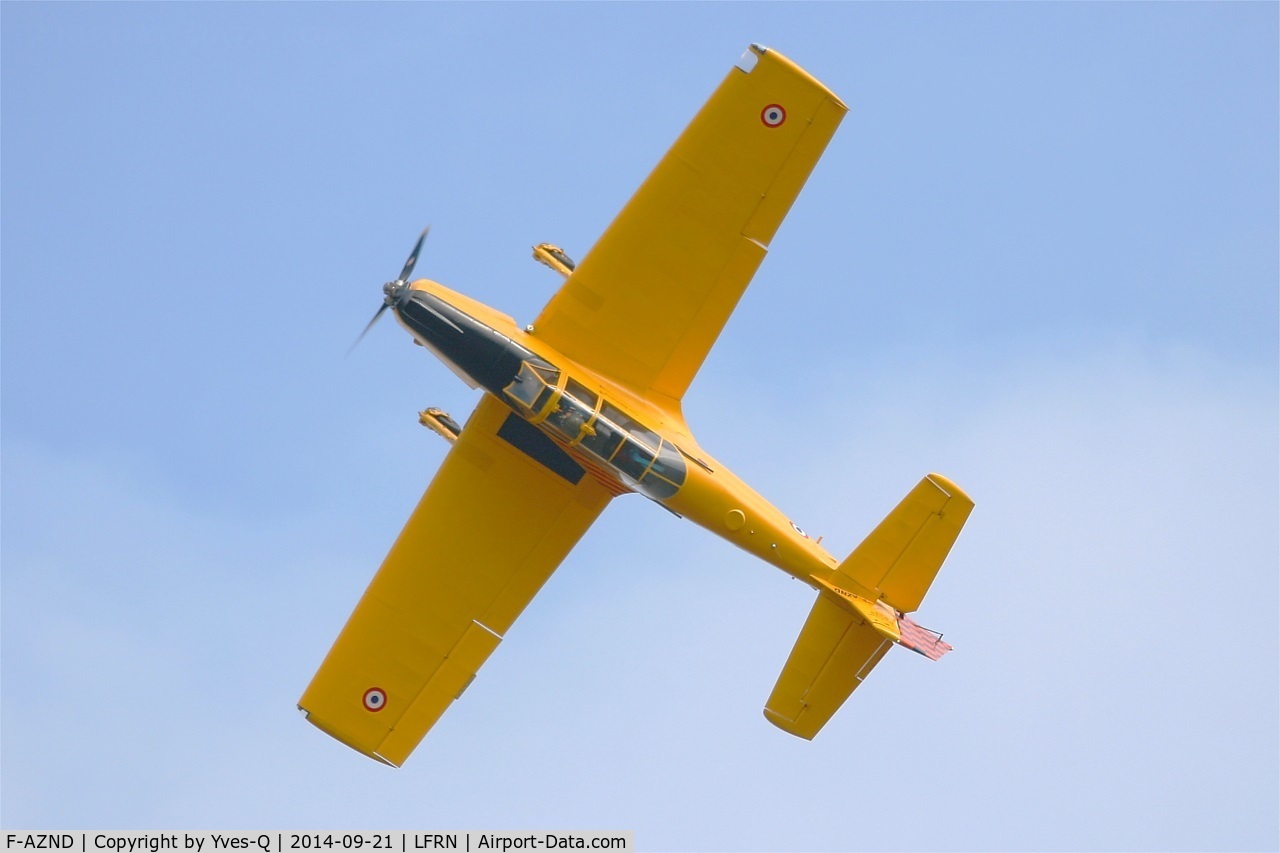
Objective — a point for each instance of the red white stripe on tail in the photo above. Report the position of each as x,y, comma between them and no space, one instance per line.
921,640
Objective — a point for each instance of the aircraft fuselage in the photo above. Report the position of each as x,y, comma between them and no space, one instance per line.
588,426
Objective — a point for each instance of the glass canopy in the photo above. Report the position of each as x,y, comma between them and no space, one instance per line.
580,418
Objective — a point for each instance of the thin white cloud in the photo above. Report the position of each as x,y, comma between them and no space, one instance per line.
1112,602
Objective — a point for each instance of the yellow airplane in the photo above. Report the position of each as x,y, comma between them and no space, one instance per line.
584,405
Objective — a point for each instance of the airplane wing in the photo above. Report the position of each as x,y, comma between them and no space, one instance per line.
496,521
650,298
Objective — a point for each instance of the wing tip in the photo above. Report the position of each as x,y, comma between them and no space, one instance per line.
787,725
949,488
761,52
343,739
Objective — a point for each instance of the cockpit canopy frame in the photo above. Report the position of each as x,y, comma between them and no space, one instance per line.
580,418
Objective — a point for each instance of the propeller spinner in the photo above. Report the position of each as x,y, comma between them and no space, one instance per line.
395,291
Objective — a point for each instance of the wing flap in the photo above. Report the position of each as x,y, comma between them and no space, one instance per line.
689,350
491,528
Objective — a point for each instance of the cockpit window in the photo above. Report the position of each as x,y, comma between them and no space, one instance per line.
666,474
633,459
577,405
549,374
603,439
653,466
634,429
534,384
581,392
669,464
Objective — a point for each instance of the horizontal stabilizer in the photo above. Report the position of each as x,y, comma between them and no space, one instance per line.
835,650
847,633
902,555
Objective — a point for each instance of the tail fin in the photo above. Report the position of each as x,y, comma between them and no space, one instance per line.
901,557
847,632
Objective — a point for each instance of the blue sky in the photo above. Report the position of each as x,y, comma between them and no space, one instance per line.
1040,256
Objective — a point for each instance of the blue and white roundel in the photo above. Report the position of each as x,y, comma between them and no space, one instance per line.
375,699
773,115
797,529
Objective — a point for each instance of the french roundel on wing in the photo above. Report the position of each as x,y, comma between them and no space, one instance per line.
797,529
773,115
375,699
